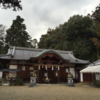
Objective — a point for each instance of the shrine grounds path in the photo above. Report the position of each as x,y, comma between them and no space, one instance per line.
50,92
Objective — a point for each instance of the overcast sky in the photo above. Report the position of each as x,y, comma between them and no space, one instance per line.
39,15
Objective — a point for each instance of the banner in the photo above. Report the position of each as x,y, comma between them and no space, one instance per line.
52,68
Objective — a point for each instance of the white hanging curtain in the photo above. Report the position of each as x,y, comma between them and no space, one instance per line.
46,67
39,67
52,68
58,68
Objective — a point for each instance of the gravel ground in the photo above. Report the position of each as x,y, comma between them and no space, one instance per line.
50,92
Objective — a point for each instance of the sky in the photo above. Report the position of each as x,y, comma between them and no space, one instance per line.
39,15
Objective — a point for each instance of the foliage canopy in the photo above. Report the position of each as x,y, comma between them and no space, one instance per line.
15,4
96,40
73,35
17,35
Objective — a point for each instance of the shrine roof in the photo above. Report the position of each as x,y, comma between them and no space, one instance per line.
23,53
50,51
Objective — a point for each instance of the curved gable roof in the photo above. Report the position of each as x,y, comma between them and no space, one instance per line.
51,52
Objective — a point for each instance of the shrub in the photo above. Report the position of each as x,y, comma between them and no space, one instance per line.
98,83
19,81
0,80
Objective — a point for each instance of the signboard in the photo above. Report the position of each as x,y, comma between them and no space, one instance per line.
31,68
13,67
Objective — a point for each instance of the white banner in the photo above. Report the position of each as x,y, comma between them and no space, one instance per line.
46,67
52,68
58,68
0,74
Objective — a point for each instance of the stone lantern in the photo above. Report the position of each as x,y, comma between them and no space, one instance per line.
70,79
33,79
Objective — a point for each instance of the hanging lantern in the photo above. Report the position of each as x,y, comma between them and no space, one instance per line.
52,68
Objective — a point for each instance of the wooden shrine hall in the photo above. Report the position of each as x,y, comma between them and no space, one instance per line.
50,63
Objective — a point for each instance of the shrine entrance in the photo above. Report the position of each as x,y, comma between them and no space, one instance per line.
48,76
48,66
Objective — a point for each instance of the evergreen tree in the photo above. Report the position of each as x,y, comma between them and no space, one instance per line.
2,35
73,35
34,43
17,35
15,4
96,40
79,31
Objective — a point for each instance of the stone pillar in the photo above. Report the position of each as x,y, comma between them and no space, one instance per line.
81,77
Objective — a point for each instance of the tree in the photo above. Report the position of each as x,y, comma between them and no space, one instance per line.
15,4
2,35
73,35
79,31
96,14
96,40
41,44
34,43
2,30
52,39
17,35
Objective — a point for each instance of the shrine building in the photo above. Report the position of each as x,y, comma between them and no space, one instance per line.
50,63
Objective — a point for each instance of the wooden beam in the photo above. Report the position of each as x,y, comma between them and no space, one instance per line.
48,61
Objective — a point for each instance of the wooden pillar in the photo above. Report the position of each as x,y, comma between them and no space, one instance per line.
59,75
75,73
88,78
38,74
69,67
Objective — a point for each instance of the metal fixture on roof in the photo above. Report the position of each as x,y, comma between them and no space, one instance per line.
13,51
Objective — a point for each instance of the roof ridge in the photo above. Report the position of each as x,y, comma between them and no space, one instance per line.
37,49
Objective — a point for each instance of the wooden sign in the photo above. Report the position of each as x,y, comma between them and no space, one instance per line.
31,68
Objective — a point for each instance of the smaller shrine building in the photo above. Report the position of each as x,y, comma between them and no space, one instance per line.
50,63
